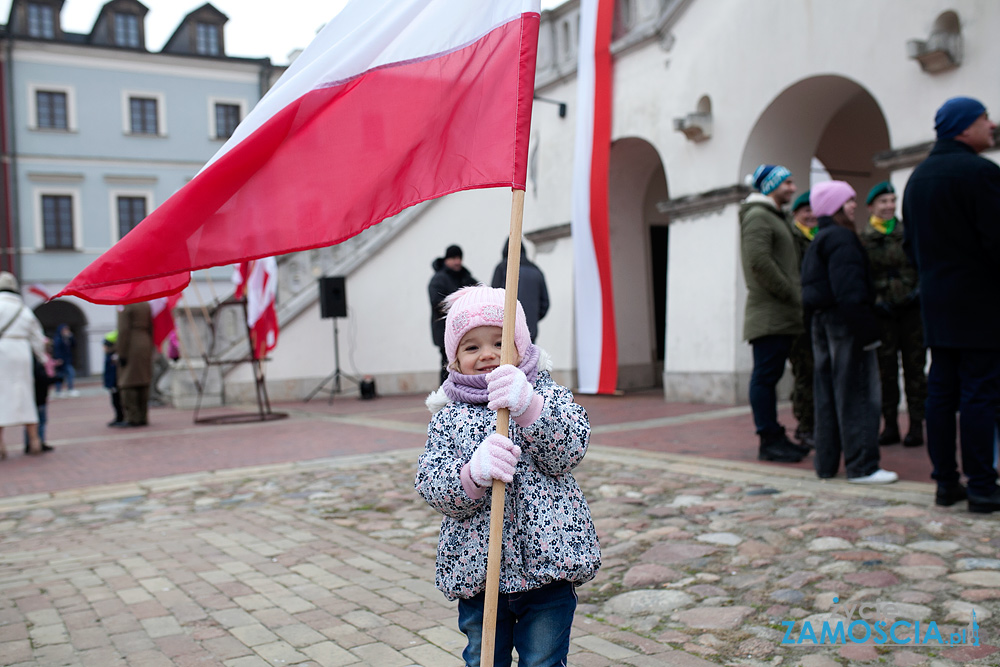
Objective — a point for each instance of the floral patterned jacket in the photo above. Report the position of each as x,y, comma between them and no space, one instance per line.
548,533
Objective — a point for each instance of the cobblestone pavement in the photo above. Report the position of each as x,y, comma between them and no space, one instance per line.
330,562
307,545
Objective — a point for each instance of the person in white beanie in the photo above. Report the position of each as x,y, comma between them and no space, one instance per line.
550,543
20,336
838,298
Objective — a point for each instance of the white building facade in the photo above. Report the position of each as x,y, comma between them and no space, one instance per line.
100,131
704,91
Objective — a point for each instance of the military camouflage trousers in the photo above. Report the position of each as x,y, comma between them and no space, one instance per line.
903,338
801,358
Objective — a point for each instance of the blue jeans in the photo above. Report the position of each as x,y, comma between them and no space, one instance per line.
537,623
43,411
966,382
769,356
68,373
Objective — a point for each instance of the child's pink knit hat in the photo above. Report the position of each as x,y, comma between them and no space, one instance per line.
480,306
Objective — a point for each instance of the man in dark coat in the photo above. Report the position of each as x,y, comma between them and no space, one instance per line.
449,275
531,289
135,361
952,210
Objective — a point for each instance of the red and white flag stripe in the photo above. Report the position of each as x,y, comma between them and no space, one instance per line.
163,317
258,280
596,339
395,102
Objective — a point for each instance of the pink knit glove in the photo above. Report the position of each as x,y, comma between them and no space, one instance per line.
508,387
495,458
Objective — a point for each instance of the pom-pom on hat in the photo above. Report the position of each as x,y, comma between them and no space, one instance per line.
955,115
480,306
883,188
767,177
800,201
8,283
826,198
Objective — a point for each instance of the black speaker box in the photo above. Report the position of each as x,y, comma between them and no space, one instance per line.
332,297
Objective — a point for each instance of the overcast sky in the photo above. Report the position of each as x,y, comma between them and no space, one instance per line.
253,29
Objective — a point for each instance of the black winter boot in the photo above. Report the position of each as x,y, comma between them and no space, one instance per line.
915,436
778,448
890,434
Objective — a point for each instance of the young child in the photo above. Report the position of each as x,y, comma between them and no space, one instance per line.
45,377
549,541
111,378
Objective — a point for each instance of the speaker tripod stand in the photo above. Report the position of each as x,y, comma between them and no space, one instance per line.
336,375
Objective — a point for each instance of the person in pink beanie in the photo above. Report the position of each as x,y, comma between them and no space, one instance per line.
838,299
550,544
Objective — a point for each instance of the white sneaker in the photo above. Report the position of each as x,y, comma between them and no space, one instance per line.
878,477
73,392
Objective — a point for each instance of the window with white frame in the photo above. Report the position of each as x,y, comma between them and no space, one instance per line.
227,117
57,222
41,20
207,41
131,211
51,110
127,30
143,117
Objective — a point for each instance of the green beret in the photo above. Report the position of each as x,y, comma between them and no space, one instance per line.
885,187
800,201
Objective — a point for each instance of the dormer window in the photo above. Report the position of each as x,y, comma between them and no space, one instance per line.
207,39
127,30
41,21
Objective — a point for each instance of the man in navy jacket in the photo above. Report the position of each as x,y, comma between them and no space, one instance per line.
952,210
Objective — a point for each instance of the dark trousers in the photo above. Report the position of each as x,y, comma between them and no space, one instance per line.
769,356
135,404
846,394
801,358
966,382
116,403
903,336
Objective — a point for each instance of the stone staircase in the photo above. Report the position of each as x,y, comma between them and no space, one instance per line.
297,292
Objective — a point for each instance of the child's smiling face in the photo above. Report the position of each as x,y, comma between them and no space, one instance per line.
479,351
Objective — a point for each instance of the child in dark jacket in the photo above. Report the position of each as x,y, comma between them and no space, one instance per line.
839,301
549,541
111,378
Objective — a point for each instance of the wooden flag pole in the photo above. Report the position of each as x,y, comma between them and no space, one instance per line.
507,356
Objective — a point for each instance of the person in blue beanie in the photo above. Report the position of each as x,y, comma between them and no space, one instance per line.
952,209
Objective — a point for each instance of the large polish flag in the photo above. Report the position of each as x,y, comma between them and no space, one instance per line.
395,102
596,339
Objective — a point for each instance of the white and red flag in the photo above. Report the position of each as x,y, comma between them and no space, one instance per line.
163,317
258,281
394,102
39,290
596,337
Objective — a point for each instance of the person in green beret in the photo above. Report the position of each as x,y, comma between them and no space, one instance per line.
898,306
801,357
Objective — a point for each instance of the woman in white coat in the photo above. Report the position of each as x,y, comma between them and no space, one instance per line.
20,335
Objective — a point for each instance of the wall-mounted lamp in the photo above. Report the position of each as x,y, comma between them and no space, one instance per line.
562,105
697,126
942,50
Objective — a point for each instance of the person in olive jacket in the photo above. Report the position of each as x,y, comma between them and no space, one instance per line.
773,315
952,210
897,303
839,302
